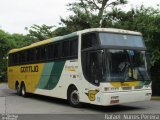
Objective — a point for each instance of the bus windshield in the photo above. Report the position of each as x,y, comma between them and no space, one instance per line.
123,40
126,65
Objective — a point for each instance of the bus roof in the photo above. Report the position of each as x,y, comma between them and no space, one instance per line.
74,34
110,30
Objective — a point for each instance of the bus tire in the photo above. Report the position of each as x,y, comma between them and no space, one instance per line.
73,97
23,90
17,88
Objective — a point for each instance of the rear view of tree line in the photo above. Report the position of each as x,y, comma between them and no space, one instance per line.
91,14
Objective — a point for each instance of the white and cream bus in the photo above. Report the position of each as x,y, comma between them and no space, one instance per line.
101,66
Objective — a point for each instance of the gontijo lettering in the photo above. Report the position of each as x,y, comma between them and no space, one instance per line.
29,68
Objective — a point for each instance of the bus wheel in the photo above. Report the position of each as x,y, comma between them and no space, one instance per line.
17,87
23,90
73,97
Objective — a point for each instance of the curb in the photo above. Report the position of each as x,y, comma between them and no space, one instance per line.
155,98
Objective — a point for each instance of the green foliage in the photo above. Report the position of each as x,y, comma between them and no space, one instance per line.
61,31
89,13
6,43
22,40
39,33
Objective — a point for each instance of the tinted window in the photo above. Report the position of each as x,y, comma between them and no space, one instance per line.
30,55
92,66
74,47
10,60
65,49
113,39
89,40
38,53
50,51
57,51
23,57
16,58
43,54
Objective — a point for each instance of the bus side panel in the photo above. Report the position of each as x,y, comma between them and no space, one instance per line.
58,78
29,74
12,77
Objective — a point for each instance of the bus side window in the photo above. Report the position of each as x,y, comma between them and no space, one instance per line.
65,49
30,55
38,53
23,57
94,68
89,40
43,54
74,48
57,51
50,49
17,58
10,60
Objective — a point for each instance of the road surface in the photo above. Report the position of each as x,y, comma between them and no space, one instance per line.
40,107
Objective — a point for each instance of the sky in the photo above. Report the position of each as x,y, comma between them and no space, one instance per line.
15,15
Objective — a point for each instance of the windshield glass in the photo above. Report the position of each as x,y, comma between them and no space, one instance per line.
127,65
114,39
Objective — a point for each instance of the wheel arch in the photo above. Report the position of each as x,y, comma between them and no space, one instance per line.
70,87
23,83
16,83
69,92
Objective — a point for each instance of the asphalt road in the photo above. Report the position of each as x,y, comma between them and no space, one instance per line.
39,108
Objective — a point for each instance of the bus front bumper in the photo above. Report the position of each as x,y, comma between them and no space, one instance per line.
124,97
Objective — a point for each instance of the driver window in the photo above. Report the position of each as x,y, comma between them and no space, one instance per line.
94,68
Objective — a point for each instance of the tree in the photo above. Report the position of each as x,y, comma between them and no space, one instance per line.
22,40
6,43
39,33
60,31
89,13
